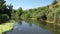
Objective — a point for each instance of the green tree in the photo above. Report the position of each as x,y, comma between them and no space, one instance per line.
54,2
20,11
10,8
2,5
5,9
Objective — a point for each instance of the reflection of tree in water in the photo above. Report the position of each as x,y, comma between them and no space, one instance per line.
29,22
42,24
55,29
19,21
38,23
50,26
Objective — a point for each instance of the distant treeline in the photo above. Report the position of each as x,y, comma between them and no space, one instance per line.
50,13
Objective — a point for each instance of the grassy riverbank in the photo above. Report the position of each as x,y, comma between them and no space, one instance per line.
6,26
52,22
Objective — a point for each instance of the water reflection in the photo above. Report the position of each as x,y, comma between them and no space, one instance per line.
19,21
33,27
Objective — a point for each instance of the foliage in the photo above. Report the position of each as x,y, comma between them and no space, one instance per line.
16,13
20,11
52,14
54,2
3,16
5,9
45,12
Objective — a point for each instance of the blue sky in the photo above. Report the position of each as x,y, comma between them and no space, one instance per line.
27,4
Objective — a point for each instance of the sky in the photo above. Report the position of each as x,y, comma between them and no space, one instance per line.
28,4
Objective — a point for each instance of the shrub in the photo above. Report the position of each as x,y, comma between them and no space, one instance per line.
3,16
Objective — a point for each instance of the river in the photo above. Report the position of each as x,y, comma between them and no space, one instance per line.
33,27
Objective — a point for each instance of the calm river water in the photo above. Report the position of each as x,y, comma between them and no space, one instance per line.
33,27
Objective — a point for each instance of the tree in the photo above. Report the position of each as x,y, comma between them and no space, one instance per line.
9,8
20,11
2,5
5,9
2,2
54,2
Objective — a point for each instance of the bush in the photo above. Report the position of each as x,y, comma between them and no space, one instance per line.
3,16
54,15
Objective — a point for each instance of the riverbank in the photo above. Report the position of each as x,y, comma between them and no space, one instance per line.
41,20
53,23
6,26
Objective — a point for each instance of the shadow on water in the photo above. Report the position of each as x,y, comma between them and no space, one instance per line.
28,26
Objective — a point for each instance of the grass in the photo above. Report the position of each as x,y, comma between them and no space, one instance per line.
52,22
6,26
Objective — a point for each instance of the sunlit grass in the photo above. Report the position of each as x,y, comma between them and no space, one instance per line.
6,26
